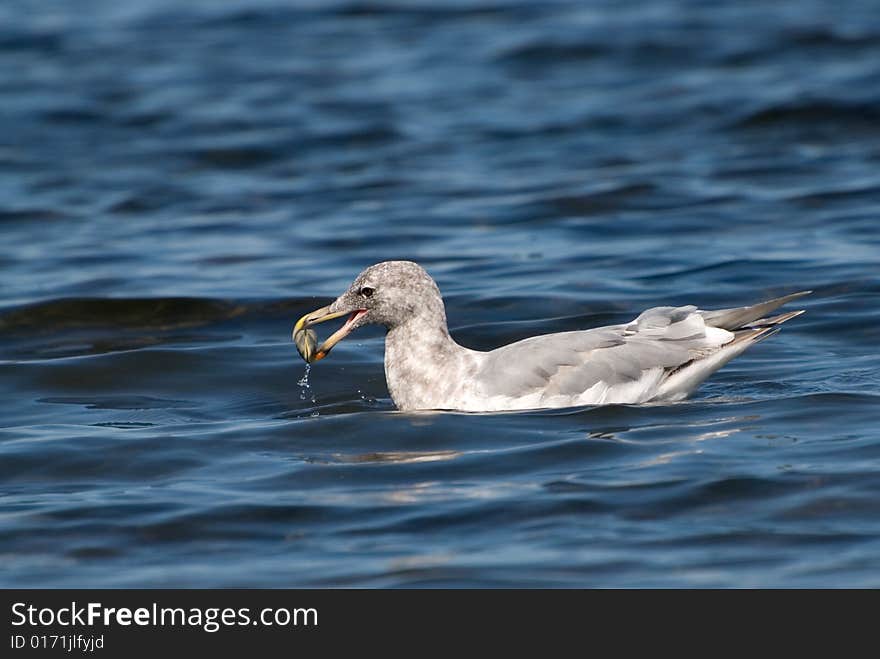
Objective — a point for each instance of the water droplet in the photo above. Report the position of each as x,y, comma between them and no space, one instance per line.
306,392
304,380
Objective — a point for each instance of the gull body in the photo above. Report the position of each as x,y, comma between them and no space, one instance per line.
662,355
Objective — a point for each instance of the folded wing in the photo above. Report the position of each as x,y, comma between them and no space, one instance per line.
632,362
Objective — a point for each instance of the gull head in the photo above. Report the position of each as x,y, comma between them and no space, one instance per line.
390,293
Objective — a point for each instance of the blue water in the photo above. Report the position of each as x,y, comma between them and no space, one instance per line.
180,181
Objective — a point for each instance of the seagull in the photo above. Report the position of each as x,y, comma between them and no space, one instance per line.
662,355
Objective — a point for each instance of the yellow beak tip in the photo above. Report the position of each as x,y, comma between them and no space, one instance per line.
306,339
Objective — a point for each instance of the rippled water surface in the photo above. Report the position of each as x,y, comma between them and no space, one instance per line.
180,181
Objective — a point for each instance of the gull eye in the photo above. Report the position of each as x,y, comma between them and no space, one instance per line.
366,291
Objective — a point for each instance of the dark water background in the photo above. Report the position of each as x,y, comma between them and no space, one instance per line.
180,181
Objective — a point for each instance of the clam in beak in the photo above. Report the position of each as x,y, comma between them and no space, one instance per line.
306,339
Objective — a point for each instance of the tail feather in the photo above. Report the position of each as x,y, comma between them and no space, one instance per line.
762,328
734,319
776,320
748,325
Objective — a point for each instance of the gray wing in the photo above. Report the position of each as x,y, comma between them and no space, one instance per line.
569,363
734,319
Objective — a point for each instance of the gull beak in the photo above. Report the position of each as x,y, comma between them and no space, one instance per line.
305,339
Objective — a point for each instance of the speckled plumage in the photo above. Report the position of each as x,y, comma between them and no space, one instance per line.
664,354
